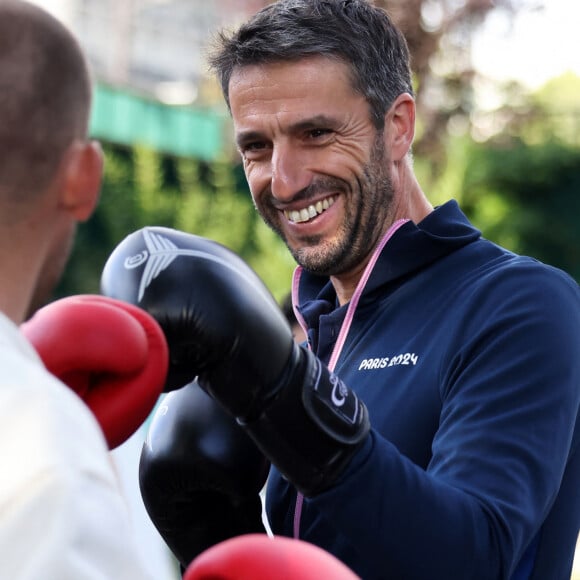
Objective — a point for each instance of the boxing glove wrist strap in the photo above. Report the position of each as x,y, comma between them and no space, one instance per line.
313,427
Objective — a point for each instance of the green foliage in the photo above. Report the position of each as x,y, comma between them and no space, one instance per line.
142,187
521,187
559,98
527,198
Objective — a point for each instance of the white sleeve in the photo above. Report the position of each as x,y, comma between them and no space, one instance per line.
62,514
61,530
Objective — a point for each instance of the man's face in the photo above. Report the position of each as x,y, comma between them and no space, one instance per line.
315,163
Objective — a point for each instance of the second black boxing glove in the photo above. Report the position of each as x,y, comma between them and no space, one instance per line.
200,474
223,325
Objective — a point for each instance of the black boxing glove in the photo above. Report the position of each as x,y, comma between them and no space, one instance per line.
200,475
223,326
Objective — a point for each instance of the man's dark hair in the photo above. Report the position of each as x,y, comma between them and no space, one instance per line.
352,31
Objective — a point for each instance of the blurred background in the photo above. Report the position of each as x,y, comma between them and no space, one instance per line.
498,94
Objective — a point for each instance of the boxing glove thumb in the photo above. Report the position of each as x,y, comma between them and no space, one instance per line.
111,353
260,557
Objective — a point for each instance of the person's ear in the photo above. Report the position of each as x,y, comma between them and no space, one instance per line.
400,129
82,179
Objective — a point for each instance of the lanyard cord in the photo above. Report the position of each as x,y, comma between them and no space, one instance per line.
344,329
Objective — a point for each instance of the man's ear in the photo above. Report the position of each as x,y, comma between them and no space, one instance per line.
400,126
82,177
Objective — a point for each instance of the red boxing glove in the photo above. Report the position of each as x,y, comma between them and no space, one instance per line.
260,557
112,354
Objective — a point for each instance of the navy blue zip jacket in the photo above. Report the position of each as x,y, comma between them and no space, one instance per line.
468,359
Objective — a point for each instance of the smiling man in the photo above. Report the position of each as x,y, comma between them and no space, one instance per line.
318,166
431,428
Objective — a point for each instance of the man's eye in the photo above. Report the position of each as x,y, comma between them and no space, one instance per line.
318,133
253,150
257,146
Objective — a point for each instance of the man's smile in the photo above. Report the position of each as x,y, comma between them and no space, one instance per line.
311,211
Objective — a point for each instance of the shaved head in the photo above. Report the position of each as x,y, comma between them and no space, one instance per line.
45,94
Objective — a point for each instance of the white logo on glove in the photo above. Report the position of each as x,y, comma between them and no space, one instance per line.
339,392
159,255
137,260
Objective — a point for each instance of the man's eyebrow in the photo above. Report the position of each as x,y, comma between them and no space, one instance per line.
316,122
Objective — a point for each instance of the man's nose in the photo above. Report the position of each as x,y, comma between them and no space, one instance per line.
290,173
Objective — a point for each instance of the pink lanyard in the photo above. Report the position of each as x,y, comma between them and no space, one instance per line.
343,330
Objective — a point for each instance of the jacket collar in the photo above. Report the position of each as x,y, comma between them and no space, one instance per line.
411,248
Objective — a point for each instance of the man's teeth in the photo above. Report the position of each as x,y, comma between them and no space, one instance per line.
307,213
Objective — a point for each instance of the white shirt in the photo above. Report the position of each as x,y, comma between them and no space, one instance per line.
62,514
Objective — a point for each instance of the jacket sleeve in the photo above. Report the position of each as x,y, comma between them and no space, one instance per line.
510,392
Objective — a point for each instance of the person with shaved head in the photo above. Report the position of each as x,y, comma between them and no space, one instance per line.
62,514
